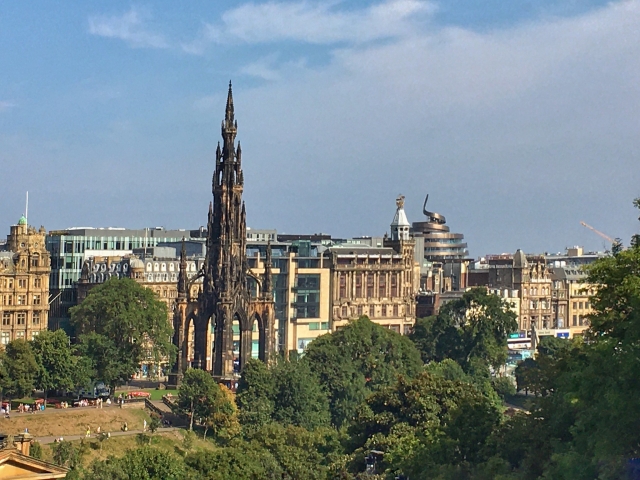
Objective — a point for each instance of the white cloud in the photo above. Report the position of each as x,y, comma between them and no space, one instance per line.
516,132
128,27
312,22
6,105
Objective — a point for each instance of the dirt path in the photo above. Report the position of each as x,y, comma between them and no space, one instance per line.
50,439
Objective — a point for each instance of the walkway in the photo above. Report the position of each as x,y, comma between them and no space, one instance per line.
45,440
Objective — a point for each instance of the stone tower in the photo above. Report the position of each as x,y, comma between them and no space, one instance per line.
225,294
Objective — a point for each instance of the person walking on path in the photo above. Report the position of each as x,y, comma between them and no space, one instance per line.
88,431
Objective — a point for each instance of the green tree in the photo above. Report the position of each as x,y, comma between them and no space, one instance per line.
221,413
131,317
301,454
19,369
101,357
586,425
299,398
57,365
143,463
255,395
66,454
35,450
238,461
426,425
474,326
192,394
188,440
358,359
200,397
154,424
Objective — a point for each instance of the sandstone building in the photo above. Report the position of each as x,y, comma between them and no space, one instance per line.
24,283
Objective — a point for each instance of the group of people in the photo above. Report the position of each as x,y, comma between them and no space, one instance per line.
25,407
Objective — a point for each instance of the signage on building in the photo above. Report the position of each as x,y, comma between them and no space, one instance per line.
545,332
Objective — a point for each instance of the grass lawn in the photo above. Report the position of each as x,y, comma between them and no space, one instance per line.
155,394
118,446
74,421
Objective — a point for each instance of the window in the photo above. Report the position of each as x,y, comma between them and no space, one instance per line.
19,335
382,286
22,283
384,311
11,283
407,330
394,285
37,282
360,310
34,261
324,326
22,300
35,320
575,320
358,285
308,296
5,338
345,312
394,328
21,318
314,326
6,318
36,299
372,311
34,334
587,305
370,285
343,285
8,299
395,311
575,305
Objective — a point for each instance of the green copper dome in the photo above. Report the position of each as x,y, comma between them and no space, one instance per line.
23,220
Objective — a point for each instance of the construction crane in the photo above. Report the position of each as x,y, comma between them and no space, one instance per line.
598,232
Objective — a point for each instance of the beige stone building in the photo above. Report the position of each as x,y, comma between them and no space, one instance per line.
24,283
380,282
530,277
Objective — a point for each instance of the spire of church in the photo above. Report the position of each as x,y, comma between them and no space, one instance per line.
228,117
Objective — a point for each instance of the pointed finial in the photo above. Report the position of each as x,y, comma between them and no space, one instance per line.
229,110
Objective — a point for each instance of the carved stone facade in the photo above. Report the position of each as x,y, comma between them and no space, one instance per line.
24,283
225,296
379,282
530,276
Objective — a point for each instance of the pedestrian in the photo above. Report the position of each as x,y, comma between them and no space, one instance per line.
98,430
144,426
88,431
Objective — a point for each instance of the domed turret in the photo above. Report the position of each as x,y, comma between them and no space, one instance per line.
23,220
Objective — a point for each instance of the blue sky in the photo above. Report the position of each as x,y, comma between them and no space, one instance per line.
519,118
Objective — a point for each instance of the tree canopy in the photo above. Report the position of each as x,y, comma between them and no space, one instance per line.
133,322
19,369
358,359
58,367
475,326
